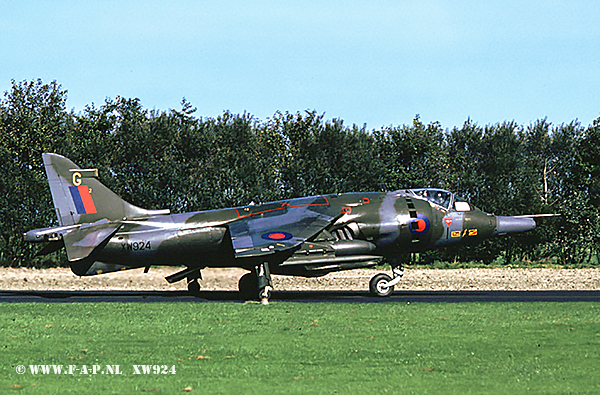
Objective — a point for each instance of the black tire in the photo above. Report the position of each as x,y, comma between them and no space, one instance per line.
376,285
248,286
194,287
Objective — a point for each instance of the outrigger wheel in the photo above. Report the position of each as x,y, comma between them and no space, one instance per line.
193,287
192,282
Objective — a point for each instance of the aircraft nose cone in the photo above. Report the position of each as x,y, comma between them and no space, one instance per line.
506,225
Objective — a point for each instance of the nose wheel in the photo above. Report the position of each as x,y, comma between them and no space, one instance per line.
378,286
382,285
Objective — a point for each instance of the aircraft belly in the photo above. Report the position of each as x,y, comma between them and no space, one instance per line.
319,258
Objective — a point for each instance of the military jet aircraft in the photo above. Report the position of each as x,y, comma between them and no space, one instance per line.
309,236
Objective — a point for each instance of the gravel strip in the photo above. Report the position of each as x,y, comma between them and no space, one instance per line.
227,279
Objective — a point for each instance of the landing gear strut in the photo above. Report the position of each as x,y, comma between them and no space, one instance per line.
382,285
257,283
264,282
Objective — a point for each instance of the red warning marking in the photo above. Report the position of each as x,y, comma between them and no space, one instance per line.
284,205
448,221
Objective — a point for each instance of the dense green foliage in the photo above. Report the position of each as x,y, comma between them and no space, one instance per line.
174,159
304,348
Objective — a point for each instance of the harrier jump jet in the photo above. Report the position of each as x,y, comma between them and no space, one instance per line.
309,236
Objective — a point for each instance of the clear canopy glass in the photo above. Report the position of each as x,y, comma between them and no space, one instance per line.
438,197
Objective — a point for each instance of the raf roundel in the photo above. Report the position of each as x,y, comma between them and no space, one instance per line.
421,224
277,236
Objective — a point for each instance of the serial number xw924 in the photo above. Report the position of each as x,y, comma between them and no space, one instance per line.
136,245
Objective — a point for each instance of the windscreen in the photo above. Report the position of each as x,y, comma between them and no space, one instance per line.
436,196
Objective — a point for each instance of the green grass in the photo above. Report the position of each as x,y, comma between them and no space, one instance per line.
305,348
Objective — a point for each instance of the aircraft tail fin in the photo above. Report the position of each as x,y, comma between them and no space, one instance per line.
80,198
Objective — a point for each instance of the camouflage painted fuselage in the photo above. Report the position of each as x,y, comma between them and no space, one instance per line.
365,228
308,236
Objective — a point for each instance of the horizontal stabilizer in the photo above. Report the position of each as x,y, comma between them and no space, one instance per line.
82,242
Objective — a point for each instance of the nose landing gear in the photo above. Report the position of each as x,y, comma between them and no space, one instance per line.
382,285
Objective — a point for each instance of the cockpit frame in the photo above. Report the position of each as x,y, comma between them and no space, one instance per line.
441,198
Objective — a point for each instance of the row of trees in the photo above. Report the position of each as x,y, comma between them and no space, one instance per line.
175,159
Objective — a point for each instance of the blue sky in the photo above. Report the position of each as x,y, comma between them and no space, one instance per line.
374,62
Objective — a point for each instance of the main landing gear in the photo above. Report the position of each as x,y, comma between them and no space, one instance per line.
257,283
382,285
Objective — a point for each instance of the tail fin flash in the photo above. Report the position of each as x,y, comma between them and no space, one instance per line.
80,198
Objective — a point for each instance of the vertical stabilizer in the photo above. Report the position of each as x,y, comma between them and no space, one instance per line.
80,198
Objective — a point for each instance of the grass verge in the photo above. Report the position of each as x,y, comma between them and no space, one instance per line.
304,348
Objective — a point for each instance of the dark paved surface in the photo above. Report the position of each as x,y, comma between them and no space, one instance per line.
297,296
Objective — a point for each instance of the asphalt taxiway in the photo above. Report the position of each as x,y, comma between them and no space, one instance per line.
297,296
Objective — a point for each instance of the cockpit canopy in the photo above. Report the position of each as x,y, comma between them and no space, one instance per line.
444,199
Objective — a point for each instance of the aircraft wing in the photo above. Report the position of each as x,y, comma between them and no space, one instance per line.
282,226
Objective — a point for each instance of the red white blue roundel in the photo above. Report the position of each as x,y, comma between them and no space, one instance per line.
277,236
418,225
